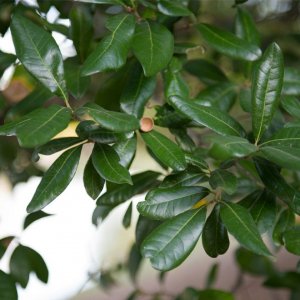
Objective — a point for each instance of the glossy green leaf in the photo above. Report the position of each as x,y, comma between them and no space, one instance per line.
165,203
188,177
241,225
291,239
275,183
266,89
25,260
262,207
196,159
127,217
149,39
92,181
212,118
245,99
227,43
165,150
8,290
55,180
111,53
112,120
291,81
170,243
182,138
4,244
137,92
31,218
285,222
173,8
254,264
134,262
6,59
234,146
215,237
221,95
123,192
39,54
245,27
174,84
291,105
126,150
223,179
205,71
106,162
81,30
100,213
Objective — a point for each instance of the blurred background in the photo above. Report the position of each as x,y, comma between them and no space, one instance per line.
76,251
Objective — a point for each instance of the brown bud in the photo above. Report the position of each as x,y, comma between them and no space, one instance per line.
146,124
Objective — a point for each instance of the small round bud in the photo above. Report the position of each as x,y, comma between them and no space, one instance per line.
146,124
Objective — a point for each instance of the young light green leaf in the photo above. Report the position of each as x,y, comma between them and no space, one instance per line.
92,181
142,182
291,239
227,43
106,162
215,237
212,118
112,120
205,71
266,89
165,203
137,92
149,39
55,180
223,179
245,27
170,243
291,105
291,81
25,260
126,150
8,289
111,53
165,150
240,224
173,8
39,54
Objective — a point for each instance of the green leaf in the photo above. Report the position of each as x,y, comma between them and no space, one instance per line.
254,264
262,207
183,139
291,105
215,237
189,177
34,217
25,260
285,222
165,150
81,30
165,203
227,43
170,243
100,213
291,239
112,120
116,2
6,59
106,163
8,290
123,192
241,225
76,83
127,217
134,262
210,294
234,146
275,183
223,179
196,159
4,244
173,8
111,53
55,180
291,81
137,92
212,118
205,71
288,280
149,39
212,274
39,54
93,183
126,150
245,27
266,89
221,95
